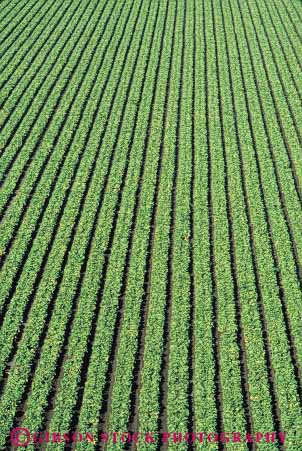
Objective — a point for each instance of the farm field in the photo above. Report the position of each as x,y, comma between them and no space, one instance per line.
151,224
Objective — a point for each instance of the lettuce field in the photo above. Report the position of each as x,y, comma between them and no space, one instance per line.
151,224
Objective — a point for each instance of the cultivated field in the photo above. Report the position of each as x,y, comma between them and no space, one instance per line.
151,220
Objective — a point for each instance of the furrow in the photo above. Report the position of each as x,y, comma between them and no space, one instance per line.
207,407
225,324
179,398
214,297
230,206
191,267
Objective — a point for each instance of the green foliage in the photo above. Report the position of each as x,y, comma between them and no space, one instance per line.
150,164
